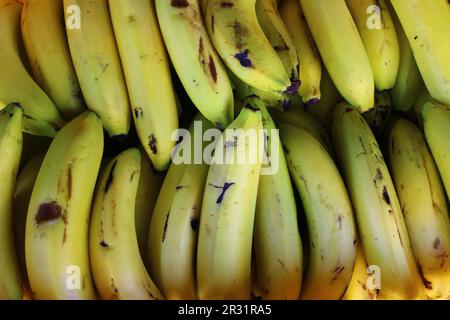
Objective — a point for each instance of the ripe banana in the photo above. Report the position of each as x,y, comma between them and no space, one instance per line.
378,213
117,267
240,41
330,96
377,30
278,35
360,287
197,64
409,81
278,246
423,201
10,151
22,194
329,216
45,41
172,239
146,67
56,239
426,24
436,125
97,63
378,117
342,50
40,116
228,209
310,63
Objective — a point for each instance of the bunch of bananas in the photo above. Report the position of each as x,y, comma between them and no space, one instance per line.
210,149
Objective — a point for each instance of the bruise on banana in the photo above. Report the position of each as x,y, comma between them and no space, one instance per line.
224,189
179,3
207,61
50,212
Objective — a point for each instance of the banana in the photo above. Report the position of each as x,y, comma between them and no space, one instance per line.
377,30
228,208
423,201
426,24
309,59
240,41
278,246
302,119
409,81
436,125
330,96
378,213
56,237
342,50
360,287
378,117
278,35
40,116
197,64
172,237
149,186
22,194
203,4
45,41
97,63
117,267
329,215
10,151
146,67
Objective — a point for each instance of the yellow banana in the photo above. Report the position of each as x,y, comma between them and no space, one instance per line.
16,85
10,151
197,64
240,41
228,209
278,246
329,215
310,63
117,267
426,24
436,125
342,50
172,237
45,41
377,30
380,221
56,239
422,197
146,68
97,63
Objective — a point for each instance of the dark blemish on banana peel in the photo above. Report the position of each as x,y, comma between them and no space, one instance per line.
436,243
225,187
212,69
251,107
194,224
386,196
103,244
47,212
428,284
179,3
244,59
165,226
293,88
226,5
138,113
313,102
110,179
153,144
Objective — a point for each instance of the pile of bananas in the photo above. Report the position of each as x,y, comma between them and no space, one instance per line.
353,97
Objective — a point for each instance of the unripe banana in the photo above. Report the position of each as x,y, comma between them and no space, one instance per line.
172,239
342,50
380,40
228,209
56,239
197,64
237,35
423,201
380,221
426,24
16,85
329,215
45,41
436,125
277,242
117,267
10,151
310,63
97,63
